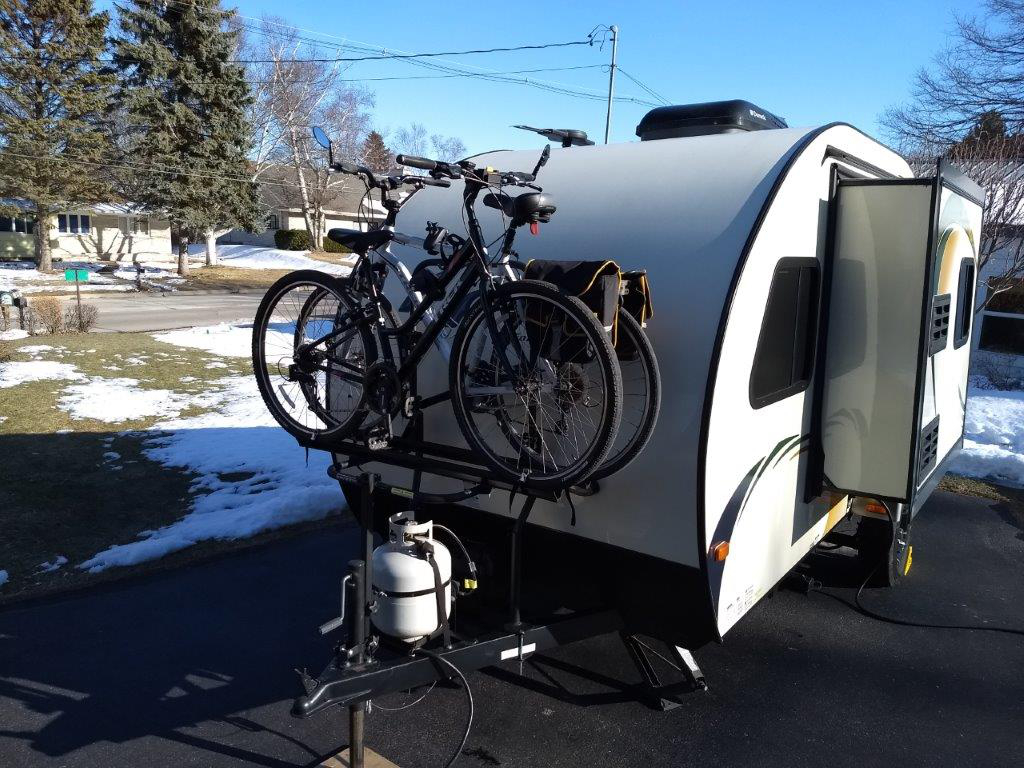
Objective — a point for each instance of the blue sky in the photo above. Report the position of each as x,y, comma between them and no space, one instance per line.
810,62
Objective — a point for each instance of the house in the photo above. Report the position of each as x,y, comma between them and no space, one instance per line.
345,206
999,336
106,231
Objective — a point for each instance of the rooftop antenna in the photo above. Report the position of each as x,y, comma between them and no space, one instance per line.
567,137
611,81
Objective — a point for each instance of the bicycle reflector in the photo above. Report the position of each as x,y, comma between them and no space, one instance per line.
534,227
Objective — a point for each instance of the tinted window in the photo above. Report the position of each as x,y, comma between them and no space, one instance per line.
785,347
964,303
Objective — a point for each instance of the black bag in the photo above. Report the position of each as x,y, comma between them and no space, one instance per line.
595,283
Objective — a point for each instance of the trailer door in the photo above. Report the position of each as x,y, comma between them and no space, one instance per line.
894,383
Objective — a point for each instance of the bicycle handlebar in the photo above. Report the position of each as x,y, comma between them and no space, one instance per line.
411,161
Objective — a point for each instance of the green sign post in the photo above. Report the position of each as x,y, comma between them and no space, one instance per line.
77,276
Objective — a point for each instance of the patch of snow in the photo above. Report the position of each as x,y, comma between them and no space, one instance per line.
13,335
993,437
187,379
22,372
3,577
111,456
216,364
115,400
263,257
227,339
50,567
239,436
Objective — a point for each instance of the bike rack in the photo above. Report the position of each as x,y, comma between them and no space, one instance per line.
363,667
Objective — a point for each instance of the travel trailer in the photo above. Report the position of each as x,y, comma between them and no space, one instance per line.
812,314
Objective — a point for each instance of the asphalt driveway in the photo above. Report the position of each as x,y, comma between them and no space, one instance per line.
193,667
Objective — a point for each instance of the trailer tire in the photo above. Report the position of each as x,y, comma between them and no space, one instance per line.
885,556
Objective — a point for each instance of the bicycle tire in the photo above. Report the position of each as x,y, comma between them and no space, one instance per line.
595,339
268,373
633,438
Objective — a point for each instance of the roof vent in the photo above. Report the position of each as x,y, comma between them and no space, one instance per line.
704,119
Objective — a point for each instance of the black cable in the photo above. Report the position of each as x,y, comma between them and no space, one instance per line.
469,698
903,623
458,541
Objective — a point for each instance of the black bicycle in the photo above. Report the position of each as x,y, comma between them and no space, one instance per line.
533,378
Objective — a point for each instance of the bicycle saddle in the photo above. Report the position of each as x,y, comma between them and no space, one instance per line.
358,241
524,208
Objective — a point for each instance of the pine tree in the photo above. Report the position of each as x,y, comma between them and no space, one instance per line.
55,94
377,157
185,103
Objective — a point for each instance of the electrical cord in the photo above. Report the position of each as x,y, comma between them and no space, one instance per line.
406,706
469,699
904,623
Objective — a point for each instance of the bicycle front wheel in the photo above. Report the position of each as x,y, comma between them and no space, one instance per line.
535,385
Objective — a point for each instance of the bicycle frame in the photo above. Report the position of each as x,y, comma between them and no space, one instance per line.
462,264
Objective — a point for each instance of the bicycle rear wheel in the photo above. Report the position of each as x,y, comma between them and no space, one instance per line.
641,395
549,411
310,352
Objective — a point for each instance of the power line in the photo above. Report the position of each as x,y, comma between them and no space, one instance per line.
652,92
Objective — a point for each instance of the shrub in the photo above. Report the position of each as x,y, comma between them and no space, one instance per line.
332,247
292,239
76,321
46,312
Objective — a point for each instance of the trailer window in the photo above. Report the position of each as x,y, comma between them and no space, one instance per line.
785,347
964,304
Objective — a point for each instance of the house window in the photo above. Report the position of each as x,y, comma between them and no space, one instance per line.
21,224
140,226
964,304
785,346
272,221
74,223
1003,333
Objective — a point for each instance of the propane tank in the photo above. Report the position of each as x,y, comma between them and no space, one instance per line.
405,583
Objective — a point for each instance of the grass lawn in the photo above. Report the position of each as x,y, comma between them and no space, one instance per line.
73,487
230,278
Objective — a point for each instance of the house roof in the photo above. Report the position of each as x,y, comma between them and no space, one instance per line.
112,209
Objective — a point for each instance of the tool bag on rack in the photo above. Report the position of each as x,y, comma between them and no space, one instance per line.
595,283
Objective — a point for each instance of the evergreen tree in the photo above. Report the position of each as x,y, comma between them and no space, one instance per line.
377,157
54,94
185,103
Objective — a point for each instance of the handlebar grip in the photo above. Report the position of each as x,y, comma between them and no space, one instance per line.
427,181
411,161
342,166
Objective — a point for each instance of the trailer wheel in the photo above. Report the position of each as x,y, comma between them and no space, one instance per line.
885,556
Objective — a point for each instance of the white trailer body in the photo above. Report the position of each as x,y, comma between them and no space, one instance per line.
794,274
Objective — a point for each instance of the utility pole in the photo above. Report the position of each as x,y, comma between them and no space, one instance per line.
611,82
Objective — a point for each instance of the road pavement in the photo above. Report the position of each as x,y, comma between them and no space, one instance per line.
161,312
193,668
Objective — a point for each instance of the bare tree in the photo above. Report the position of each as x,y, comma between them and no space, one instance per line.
295,93
412,140
981,70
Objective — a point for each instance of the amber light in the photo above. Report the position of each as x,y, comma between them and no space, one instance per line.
876,509
720,551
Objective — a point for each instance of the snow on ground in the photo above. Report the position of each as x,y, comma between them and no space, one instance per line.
993,437
262,257
54,565
3,578
13,335
240,436
116,400
21,372
27,279
237,435
226,339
